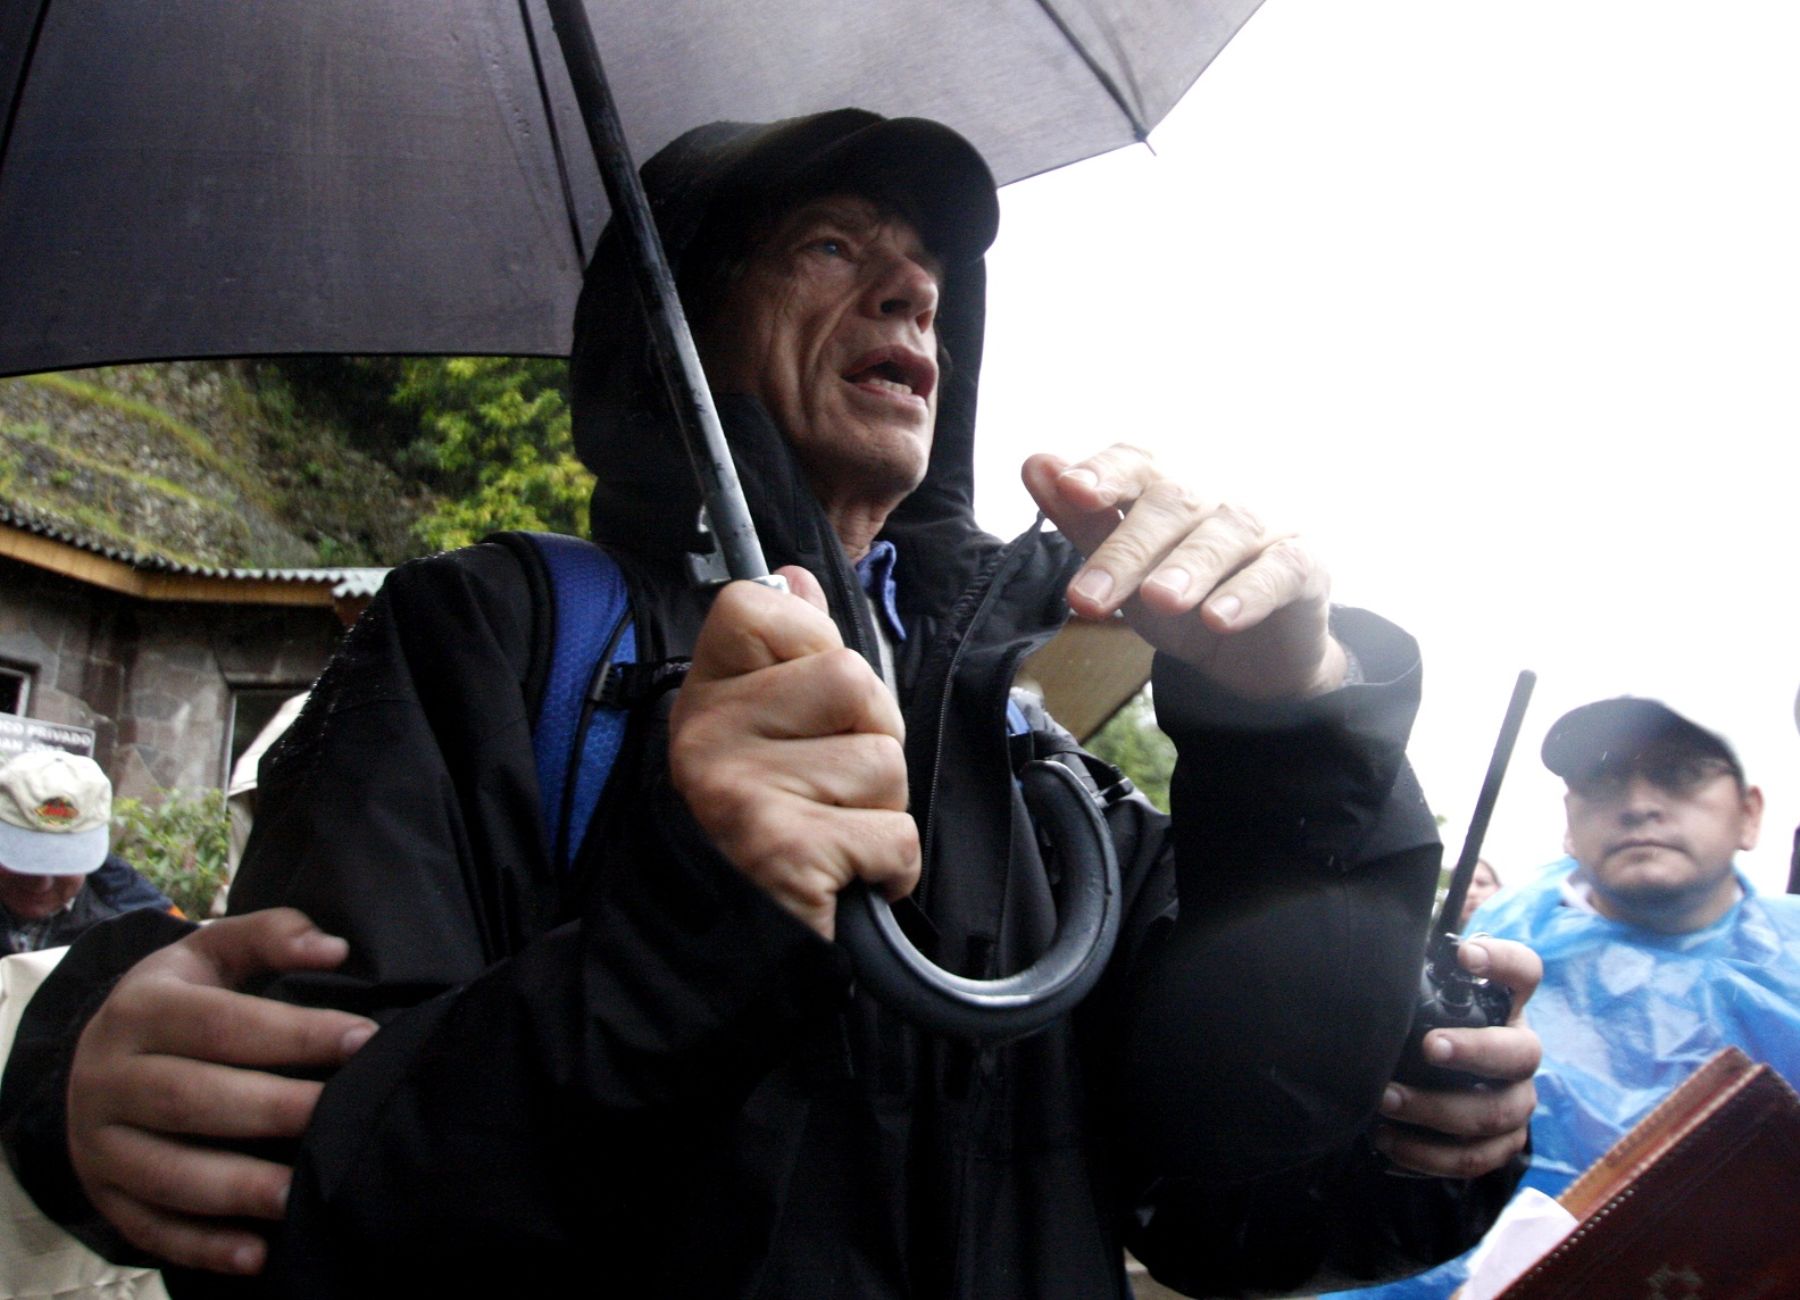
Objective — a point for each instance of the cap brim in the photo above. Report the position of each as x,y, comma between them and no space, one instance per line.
939,175
1580,740
934,168
52,853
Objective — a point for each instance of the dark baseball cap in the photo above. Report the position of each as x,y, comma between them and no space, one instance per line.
1584,738
723,173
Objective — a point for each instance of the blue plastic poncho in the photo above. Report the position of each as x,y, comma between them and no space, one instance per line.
1626,1014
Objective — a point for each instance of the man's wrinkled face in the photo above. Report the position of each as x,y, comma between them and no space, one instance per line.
833,325
1655,836
33,898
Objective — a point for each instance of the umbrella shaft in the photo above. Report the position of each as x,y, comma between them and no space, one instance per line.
677,358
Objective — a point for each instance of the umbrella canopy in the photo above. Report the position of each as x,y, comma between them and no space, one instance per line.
199,178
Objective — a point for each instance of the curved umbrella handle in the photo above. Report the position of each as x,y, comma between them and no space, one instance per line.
1087,903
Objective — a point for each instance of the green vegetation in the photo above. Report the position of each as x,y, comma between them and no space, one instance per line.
1134,744
487,437
294,462
203,463
178,843
196,443
494,432
85,493
42,435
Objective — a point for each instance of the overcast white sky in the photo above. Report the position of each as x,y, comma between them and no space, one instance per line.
1500,304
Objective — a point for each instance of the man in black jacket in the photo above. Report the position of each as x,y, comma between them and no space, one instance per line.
655,1072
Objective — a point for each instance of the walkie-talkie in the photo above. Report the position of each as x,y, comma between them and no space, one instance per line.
1450,997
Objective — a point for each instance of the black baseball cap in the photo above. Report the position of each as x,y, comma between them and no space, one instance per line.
727,173
1584,738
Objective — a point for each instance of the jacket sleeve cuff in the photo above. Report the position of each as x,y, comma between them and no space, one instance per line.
1320,781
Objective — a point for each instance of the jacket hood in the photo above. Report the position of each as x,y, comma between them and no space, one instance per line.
708,190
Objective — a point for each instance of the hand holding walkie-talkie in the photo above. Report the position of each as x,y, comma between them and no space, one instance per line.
1449,996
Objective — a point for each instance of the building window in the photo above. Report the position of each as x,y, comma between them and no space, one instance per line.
251,711
15,689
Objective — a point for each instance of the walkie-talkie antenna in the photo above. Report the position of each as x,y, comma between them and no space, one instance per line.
1449,917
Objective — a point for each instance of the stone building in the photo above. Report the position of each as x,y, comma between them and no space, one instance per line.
173,667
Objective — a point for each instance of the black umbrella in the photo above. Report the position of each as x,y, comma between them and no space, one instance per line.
194,178
207,178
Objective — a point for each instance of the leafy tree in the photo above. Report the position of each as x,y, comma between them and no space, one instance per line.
177,843
487,436
1134,744
494,437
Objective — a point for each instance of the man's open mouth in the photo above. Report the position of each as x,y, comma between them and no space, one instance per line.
895,370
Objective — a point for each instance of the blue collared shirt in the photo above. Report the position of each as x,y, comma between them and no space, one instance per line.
876,573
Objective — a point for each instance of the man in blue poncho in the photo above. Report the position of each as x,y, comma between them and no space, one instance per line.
1657,951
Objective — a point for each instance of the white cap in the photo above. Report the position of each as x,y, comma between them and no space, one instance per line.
55,814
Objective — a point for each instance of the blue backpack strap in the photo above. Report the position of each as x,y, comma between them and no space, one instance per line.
576,737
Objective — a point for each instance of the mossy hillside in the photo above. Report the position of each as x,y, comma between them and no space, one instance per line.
201,463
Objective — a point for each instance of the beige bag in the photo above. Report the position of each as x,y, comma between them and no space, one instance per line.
38,1260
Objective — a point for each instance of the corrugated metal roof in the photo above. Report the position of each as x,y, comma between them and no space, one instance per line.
346,583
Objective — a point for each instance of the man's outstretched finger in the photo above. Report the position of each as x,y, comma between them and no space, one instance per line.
185,1242
169,1094
1113,477
1281,575
1134,545
215,1024
178,1178
233,949
1081,517
182,1203
1461,1113
1507,1053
